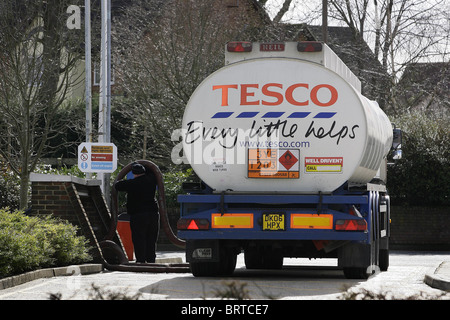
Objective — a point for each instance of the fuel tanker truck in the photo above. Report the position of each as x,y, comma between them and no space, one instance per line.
292,161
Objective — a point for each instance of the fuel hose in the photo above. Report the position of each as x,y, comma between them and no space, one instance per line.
107,243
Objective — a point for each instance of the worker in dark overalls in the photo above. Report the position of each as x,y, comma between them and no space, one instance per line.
143,210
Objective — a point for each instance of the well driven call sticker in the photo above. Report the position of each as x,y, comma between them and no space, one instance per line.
323,164
274,163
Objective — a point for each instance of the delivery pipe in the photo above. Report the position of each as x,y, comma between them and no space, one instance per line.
161,201
124,265
107,242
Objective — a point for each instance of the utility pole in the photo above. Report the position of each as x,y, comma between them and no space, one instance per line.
104,121
325,21
88,73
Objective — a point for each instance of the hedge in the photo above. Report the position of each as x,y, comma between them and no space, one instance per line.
422,176
29,243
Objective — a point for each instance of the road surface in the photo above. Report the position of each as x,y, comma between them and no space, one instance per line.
300,279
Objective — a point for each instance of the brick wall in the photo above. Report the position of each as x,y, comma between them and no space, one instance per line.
52,194
76,200
55,195
420,228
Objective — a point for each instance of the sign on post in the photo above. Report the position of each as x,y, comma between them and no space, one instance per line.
97,157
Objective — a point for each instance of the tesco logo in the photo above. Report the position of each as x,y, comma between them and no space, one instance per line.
278,94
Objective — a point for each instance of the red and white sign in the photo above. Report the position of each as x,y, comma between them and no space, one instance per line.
323,164
97,157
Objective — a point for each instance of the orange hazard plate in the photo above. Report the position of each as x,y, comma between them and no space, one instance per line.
272,164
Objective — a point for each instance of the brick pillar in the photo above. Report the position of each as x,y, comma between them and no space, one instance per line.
51,194
79,201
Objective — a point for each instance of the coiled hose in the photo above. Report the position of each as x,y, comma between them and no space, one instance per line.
107,242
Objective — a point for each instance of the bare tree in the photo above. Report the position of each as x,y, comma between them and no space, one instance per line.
164,49
400,32
37,55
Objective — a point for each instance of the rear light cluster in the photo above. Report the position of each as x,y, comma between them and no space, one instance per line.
340,224
239,46
350,225
309,46
193,224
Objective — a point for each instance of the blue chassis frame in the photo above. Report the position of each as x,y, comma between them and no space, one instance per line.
206,204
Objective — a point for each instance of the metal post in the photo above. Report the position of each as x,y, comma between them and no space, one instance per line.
105,87
88,72
103,73
108,72
87,58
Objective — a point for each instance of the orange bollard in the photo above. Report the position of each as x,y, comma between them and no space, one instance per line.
124,230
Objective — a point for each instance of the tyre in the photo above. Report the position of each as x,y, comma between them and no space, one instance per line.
252,259
255,259
204,269
355,273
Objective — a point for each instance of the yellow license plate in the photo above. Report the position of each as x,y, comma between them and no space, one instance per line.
274,221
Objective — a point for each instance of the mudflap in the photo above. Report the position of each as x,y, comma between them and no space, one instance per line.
210,258
202,251
358,260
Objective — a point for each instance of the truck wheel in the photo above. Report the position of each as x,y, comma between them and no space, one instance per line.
204,269
273,261
224,267
252,259
355,273
228,265
255,259
358,261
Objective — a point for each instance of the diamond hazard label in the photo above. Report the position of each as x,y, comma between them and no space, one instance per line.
287,159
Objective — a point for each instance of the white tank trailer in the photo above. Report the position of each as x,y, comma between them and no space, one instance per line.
293,162
274,123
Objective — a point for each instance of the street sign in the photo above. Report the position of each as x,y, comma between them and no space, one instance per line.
97,157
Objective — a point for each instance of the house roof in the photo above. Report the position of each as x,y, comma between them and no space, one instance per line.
426,85
428,76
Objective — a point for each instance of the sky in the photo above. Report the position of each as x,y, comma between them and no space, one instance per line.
424,29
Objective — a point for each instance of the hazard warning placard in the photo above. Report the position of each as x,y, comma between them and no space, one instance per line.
274,163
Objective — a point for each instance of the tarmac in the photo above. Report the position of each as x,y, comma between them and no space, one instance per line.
439,279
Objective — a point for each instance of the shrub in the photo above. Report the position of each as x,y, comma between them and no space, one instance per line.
173,181
28,243
9,187
421,177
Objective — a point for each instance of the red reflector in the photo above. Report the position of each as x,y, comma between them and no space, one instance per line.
193,224
239,46
309,46
351,225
